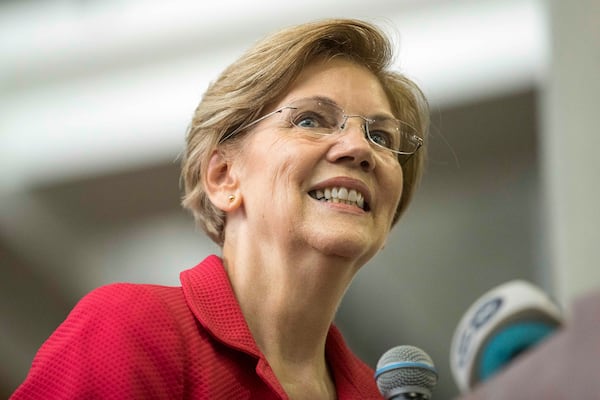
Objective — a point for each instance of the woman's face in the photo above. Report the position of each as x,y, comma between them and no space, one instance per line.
284,171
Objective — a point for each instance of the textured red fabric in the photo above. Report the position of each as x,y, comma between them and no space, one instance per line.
133,341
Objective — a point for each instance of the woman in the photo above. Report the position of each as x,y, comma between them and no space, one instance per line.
300,158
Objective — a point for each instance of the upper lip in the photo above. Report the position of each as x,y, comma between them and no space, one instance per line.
347,182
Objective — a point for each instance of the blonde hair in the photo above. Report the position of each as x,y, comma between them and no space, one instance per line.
265,72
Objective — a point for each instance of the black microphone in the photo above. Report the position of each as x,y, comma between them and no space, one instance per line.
405,372
497,328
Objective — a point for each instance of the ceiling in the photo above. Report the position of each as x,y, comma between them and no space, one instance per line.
94,101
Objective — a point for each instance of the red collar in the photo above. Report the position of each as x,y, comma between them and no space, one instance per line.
210,297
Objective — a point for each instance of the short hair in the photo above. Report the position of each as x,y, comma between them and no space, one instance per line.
265,72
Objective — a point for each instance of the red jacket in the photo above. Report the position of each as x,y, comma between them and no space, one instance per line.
132,341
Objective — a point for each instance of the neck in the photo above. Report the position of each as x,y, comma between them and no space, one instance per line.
289,300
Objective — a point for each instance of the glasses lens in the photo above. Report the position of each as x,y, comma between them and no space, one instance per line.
324,118
393,134
315,115
385,133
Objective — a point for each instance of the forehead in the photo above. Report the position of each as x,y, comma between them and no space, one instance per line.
352,86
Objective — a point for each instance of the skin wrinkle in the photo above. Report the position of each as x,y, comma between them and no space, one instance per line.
302,253
237,98
288,259
286,141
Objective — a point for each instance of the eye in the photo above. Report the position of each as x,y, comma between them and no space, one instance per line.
308,120
384,139
384,133
317,120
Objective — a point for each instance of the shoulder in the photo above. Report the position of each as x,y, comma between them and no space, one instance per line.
132,317
120,338
125,316
124,304
133,300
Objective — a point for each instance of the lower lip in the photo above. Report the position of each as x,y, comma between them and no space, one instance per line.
341,207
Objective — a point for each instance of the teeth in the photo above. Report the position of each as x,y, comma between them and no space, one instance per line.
352,196
340,195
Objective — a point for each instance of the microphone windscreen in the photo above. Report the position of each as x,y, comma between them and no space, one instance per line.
497,328
406,370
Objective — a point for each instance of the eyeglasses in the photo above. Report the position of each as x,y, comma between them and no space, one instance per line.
322,117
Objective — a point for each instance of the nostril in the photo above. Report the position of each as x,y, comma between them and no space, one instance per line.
365,164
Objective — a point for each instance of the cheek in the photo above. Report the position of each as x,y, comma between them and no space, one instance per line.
394,184
288,161
284,182
276,165
271,174
398,183
390,168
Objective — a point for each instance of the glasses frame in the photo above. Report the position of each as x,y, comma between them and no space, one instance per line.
418,141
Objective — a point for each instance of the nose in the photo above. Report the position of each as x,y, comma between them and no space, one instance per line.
352,145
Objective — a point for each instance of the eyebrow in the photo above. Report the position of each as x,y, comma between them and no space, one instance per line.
324,99
330,101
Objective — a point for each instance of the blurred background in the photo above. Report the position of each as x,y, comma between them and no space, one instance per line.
95,97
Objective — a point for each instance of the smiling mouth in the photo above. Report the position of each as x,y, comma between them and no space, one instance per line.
340,195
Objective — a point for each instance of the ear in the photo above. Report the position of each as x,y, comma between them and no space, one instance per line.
221,183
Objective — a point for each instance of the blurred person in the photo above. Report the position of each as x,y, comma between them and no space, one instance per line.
300,158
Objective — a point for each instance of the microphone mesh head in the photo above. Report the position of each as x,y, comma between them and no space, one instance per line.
405,369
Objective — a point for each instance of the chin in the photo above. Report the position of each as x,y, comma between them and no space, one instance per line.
355,248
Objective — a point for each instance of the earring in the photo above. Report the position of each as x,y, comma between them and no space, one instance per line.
231,197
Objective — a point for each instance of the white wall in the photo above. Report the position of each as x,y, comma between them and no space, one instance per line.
571,106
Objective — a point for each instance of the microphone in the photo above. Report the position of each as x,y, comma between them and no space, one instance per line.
499,326
405,372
